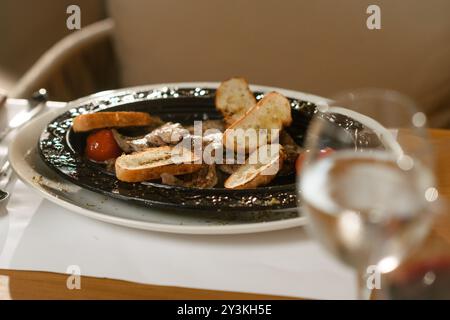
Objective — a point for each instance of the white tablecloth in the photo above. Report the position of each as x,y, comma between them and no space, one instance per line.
44,237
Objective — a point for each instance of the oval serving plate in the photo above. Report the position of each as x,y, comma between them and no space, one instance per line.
61,148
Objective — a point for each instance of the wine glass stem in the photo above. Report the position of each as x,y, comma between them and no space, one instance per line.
364,293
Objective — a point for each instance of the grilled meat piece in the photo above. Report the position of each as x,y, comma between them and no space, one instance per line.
129,144
229,168
291,152
206,177
168,134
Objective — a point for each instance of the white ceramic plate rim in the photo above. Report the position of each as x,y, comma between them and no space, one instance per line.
22,169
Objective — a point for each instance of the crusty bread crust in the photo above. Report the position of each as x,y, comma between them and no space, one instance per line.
100,120
251,176
234,99
134,168
130,175
271,112
257,181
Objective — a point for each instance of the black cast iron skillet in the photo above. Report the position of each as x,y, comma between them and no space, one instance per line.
62,150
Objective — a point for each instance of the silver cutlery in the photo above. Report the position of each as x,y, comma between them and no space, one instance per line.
37,104
5,182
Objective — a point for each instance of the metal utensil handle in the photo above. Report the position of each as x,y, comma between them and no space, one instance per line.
36,100
36,106
7,179
5,174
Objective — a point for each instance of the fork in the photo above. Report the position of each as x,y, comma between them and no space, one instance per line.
6,182
7,177
4,195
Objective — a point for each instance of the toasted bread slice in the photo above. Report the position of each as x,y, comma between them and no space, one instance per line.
271,112
151,163
260,169
100,120
233,99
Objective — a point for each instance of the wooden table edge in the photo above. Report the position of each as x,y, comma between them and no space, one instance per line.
39,285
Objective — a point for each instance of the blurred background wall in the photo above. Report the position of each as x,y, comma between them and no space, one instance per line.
320,46
29,27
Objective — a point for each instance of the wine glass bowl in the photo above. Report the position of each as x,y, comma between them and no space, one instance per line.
368,200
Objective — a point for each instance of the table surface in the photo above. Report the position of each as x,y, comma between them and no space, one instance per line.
23,284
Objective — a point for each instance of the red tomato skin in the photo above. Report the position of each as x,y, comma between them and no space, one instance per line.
101,146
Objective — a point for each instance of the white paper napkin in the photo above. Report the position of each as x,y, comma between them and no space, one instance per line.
21,208
7,112
282,262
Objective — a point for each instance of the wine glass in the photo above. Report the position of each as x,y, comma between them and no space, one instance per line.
425,273
367,180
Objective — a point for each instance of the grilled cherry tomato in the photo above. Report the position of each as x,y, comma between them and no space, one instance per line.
301,158
101,146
